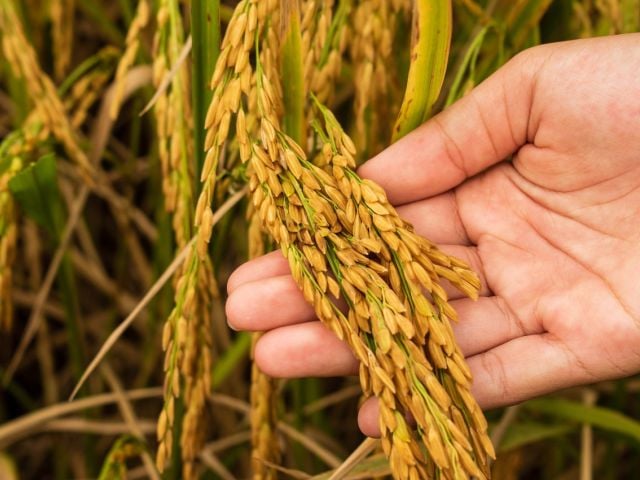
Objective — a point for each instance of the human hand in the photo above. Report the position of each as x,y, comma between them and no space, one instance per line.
554,233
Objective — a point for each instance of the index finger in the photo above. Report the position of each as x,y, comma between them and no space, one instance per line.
481,129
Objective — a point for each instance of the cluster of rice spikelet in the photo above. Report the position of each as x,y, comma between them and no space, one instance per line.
13,150
324,38
233,80
23,59
62,26
8,238
128,58
373,30
264,420
173,119
187,336
264,440
284,67
187,343
89,88
264,389
343,239
19,148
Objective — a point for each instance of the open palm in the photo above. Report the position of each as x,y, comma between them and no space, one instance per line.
554,231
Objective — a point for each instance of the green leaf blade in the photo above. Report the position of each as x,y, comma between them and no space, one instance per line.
600,417
36,191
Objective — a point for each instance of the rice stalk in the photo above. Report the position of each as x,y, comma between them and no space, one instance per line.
287,45
231,78
187,333
324,41
343,239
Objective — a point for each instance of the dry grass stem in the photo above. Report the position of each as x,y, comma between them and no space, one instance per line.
168,76
36,313
20,427
129,416
157,286
365,448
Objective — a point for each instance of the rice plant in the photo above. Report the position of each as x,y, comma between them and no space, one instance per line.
149,147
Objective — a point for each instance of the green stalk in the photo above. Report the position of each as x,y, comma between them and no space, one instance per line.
431,39
205,32
630,15
95,61
523,19
76,347
17,90
292,71
468,64
97,13
69,293
340,17
127,10
21,396
66,281
230,358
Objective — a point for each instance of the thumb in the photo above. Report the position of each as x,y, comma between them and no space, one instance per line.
483,128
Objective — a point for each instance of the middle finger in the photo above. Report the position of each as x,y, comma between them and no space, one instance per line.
312,350
274,301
